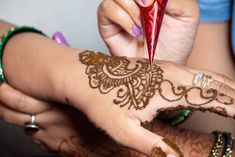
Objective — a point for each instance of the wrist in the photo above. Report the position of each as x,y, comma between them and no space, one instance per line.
37,65
76,87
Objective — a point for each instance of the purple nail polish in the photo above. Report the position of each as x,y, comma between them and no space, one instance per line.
137,31
144,1
60,38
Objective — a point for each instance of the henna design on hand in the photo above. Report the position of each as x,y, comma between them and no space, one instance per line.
174,146
137,83
192,144
158,152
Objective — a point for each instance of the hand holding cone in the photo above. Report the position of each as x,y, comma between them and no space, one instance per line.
152,17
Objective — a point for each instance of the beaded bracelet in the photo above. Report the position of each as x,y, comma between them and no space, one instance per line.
218,144
228,145
222,138
7,36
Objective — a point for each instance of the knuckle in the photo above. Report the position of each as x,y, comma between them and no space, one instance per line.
170,66
103,7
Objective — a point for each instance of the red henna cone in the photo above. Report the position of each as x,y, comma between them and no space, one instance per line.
152,20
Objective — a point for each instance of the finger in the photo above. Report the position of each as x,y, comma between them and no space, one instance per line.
223,88
145,141
113,13
42,145
13,117
211,100
20,102
55,115
221,78
132,9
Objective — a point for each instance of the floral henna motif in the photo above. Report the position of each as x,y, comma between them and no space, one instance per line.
137,83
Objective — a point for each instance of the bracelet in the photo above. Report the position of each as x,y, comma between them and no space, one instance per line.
180,117
7,36
218,144
228,145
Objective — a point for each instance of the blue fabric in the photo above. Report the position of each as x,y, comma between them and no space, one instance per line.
212,11
215,10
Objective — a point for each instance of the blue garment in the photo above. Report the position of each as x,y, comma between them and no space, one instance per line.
218,11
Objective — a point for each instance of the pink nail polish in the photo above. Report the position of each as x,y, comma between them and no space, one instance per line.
60,38
137,31
144,1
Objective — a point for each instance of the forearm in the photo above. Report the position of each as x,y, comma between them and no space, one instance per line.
212,46
37,65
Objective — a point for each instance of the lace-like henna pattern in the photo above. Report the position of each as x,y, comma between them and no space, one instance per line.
138,82
76,147
136,85
158,152
192,144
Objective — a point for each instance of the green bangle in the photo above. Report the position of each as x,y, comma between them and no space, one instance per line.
180,117
7,36
228,148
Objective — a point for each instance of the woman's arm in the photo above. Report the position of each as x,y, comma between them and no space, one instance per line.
68,132
213,46
116,93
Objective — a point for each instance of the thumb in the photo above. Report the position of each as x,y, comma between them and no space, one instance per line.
185,8
151,144
144,3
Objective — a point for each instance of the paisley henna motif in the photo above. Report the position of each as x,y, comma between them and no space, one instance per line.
136,85
137,82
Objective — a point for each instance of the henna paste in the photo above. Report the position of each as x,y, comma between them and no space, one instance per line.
136,85
158,152
137,82
173,146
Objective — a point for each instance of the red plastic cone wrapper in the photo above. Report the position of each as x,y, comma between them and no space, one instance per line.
152,17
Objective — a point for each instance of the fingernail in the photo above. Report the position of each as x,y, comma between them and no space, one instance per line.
144,1
60,38
170,155
137,31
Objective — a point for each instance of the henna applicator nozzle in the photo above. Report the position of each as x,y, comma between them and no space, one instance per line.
152,20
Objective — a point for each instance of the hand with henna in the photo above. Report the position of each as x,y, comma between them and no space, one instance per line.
117,94
119,22
67,132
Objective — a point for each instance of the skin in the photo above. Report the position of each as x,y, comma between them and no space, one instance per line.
212,44
117,19
24,99
63,61
62,119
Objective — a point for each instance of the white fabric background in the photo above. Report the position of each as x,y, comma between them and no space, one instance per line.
76,19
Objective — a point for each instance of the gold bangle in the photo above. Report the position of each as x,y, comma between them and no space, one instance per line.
218,144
